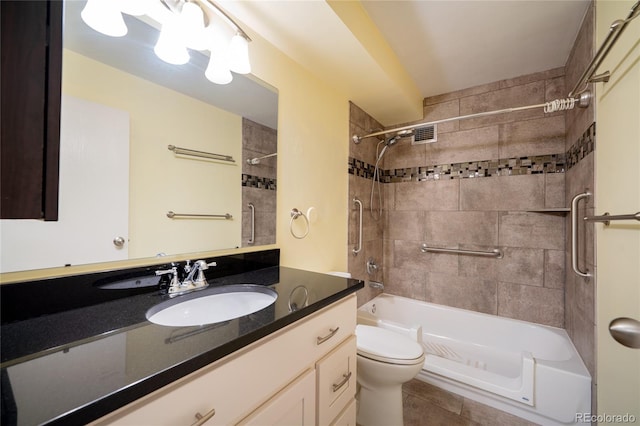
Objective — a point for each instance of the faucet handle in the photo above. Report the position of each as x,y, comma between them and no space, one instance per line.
174,279
172,270
201,266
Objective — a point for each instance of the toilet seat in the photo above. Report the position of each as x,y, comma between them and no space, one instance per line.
387,346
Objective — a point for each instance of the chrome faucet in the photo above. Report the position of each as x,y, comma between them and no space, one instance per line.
189,284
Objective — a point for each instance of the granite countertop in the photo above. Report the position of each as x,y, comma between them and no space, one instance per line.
75,366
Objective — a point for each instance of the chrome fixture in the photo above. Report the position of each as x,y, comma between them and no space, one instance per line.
173,215
606,218
376,285
195,279
186,24
298,298
574,234
497,253
295,214
589,74
252,210
358,248
372,266
626,331
202,154
254,161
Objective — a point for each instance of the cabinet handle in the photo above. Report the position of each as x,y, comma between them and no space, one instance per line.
203,419
332,333
345,379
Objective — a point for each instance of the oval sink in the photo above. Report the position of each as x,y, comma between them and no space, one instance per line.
214,304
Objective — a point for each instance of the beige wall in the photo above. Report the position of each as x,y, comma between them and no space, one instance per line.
312,158
159,181
618,192
580,292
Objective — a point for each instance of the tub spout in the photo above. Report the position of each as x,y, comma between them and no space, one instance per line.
376,285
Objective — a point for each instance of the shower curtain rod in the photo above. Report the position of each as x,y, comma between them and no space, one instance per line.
553,106
579,94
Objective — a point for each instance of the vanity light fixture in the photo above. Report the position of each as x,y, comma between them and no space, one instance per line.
185,24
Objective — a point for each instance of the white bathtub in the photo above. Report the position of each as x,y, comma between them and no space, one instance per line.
529,370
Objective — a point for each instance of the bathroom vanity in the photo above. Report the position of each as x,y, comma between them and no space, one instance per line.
102,362
272,381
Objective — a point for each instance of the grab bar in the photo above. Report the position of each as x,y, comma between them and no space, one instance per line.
254,161
172,215
615,30
574,234
253,223
359,248
606,218
202,154
497,253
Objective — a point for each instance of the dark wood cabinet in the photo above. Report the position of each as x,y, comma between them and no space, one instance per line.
31,37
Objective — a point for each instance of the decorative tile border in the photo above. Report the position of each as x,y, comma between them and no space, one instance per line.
582,147
259,182
553,163
360,168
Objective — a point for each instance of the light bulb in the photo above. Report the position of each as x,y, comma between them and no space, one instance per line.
192,26
239,55
218,70
170,46
104,17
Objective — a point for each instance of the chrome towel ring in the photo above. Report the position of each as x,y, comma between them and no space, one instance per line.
295,213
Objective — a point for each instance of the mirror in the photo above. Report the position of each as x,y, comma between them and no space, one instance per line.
122,109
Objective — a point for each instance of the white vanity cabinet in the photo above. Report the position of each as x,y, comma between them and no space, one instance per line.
302,374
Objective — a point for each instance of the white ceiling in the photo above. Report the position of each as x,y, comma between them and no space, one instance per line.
452,45
389,55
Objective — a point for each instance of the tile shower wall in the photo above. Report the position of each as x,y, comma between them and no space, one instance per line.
362,157
580,142
259,183
481,186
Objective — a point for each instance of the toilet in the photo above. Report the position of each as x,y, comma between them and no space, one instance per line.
385,361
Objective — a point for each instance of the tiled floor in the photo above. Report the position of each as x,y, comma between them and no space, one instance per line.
427,405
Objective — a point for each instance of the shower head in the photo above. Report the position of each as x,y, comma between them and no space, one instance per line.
391,141
401,134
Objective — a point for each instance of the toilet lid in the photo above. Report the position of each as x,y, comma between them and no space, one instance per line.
387,346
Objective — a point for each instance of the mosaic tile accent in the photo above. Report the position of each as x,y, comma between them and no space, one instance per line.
554,163
360,168
259,182
582,147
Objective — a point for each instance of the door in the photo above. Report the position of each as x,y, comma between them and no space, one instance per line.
94,195
618,192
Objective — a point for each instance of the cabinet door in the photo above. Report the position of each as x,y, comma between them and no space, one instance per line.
31,36
348,416
94,195
294,405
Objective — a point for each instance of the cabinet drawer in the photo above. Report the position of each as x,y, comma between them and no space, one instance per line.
336,377
239,383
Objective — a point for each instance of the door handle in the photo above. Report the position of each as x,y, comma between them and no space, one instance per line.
626,331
